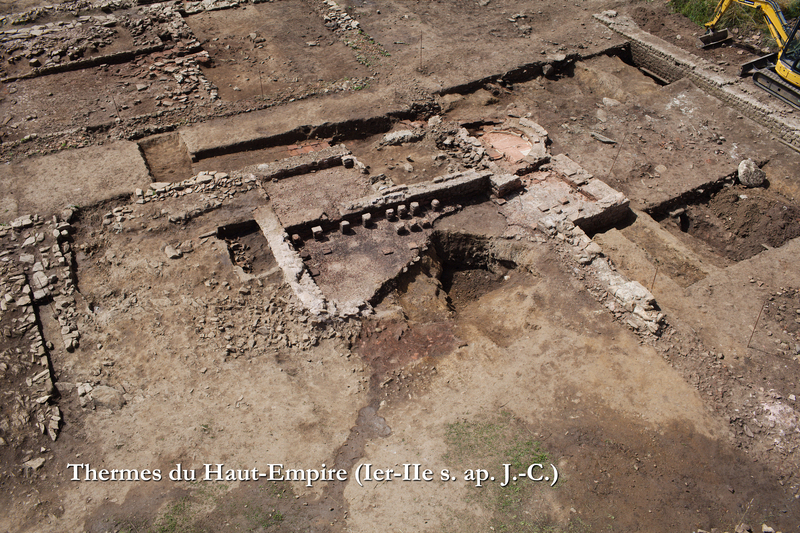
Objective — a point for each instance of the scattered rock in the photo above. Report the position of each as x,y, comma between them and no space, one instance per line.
603,139
750,175
401,137
108,397
172,253
34,464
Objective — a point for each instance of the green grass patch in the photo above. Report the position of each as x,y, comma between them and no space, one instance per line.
489,444
744,18
209,504
178,517
258,517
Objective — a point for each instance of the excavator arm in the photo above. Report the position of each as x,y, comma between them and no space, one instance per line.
769,9
777,73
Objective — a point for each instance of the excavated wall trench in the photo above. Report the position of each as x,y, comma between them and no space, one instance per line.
735,222
247,247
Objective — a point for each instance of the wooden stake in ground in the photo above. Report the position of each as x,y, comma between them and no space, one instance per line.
420,50
653,283
756,324
616,156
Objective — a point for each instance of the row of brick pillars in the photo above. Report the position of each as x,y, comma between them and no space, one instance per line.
403,211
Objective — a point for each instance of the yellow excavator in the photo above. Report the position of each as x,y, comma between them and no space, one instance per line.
777,73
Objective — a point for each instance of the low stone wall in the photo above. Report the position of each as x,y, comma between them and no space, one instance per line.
300,164
294,270
440,188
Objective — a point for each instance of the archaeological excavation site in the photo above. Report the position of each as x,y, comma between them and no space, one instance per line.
397,265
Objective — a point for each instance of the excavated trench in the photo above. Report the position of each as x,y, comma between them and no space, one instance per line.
166,157
468,269
159,149
247,247
736,222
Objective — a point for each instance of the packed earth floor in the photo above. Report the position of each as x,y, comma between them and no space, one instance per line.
398,265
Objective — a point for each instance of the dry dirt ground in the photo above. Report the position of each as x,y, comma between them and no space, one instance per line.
171,339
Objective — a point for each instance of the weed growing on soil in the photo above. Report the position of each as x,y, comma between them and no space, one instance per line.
489,445
177,518
748,19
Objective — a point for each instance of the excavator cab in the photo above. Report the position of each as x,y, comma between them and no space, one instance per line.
784,81
791,51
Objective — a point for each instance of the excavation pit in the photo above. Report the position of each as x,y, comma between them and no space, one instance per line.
417,312
166,157
248,249
239,159
454,270
272,51
736,222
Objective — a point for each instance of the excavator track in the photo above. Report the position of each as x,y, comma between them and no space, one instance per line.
769,80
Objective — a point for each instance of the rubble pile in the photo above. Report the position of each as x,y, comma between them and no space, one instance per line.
165,21
36,269
36,50
248,322
336,18
192,8
457,142
54,43
184,70
218,185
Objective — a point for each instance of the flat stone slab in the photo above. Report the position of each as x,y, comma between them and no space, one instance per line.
553,195
84,176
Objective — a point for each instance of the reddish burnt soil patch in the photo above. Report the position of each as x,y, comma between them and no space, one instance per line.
739,223
394,344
